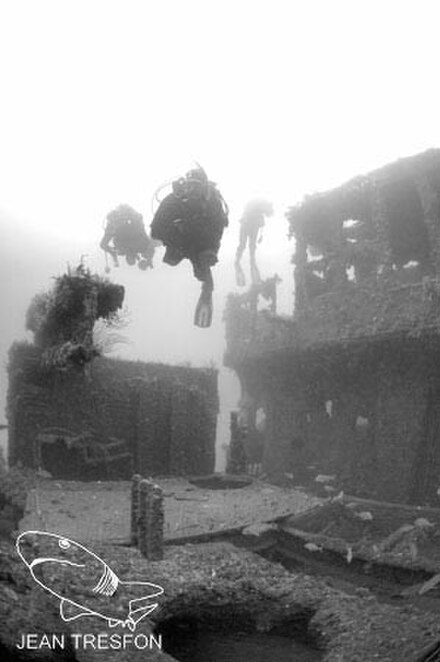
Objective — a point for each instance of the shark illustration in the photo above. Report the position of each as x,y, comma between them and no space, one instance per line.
84,583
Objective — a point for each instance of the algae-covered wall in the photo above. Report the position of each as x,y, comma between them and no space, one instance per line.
369,416
350,382
166,415
376,231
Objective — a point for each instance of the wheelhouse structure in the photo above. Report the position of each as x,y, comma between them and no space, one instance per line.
350,383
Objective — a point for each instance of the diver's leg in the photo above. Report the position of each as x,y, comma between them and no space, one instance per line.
239,273
167,228
146,250
255,273
241,243
114,255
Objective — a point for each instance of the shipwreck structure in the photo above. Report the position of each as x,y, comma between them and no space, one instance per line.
77,415
350,383
118,418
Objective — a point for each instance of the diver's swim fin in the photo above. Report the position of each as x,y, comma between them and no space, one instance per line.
203,314
239,276
255,275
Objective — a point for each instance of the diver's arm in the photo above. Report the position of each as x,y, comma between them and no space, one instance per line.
105,245
105,241
169,211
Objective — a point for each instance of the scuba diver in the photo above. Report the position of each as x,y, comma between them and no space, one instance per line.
125,235
190,223
252,222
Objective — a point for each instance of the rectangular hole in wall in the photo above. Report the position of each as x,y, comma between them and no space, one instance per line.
407,232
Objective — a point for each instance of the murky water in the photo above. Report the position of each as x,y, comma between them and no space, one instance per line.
246,647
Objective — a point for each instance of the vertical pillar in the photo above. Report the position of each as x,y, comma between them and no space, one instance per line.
300,260
135,505
144,519
237,456
156,517
150,520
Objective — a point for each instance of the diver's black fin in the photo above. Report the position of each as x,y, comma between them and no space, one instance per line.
239,276
255,275
203,314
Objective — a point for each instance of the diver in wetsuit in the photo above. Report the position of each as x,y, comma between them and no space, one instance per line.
125,235
190,222
252,222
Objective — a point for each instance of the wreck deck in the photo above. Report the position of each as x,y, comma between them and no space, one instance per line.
100,511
